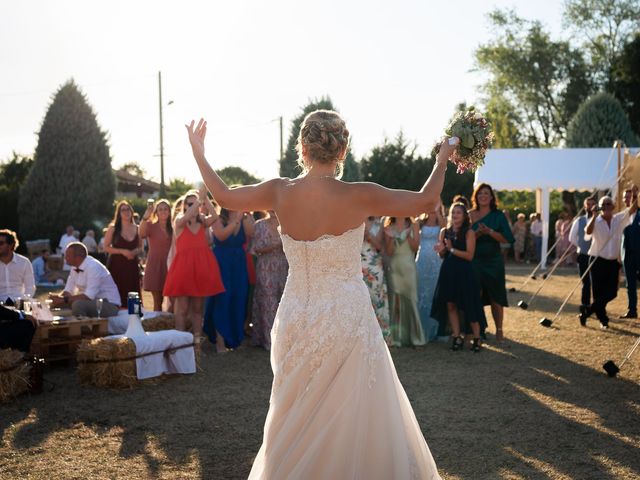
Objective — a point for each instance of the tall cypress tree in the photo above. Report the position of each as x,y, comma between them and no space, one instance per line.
600,121
71,181
289,164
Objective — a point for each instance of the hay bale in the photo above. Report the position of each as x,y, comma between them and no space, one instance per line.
160,322
14,374
35,247
107,362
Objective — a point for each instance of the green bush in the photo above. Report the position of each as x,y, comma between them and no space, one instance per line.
599,122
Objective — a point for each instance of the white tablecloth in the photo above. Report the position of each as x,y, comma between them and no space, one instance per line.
182,360
118,324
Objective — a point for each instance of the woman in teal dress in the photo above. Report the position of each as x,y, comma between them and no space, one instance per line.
402,239
491,229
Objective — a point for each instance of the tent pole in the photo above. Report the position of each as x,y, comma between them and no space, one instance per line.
620,180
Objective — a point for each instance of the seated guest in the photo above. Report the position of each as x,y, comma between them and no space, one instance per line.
39,265
65,240
89,241
89,280
16,329
16,272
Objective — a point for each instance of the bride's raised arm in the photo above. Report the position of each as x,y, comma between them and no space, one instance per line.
246,198
377,200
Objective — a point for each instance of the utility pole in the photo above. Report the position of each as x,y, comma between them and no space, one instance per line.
281,137
162,189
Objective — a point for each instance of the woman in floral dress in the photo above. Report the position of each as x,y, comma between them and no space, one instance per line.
271,276
373,273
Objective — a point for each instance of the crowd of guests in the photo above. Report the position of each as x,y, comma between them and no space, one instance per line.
430,277
222,273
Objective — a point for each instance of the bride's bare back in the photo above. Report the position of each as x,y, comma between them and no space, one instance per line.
309,207
316,203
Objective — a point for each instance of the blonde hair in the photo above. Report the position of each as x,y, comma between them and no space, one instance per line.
324,138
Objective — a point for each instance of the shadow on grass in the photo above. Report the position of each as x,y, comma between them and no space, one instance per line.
522,411
508,411
216,416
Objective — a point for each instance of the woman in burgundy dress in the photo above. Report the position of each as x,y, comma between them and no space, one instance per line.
156,228
123,244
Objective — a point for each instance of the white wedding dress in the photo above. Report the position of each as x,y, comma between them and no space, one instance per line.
337,409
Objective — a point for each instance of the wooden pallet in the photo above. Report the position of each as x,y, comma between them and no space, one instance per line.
59,340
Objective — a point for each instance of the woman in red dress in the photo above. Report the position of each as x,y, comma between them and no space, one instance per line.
123,244
194,272
156,228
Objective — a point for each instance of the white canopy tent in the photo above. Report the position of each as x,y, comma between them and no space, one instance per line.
545,169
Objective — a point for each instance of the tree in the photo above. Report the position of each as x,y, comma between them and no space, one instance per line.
505,121
605,26
71,180
599,122
289,164
134,168
396,165
532,80
237,176
13,173
626,81
177,187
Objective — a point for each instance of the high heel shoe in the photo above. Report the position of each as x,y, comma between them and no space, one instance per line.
458,343
475,345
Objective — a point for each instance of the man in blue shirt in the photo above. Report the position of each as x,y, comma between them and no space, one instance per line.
576,237
631,258
40,267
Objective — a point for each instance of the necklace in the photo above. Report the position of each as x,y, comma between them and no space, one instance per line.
320,176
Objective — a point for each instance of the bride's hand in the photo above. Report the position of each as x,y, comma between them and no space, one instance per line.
196,137
446,149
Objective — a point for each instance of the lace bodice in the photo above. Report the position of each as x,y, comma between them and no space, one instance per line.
326,310
316,264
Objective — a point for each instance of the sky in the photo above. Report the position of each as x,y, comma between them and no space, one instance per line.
388,66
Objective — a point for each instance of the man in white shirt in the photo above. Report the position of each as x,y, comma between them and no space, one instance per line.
536,232
16,272
89,241
88,281
576,238
605,232
65,240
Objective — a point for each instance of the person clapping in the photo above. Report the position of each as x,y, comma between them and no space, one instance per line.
457,295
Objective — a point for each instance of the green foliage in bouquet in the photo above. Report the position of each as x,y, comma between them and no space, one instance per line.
71,181
476,136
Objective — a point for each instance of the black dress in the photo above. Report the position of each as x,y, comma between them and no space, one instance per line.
457,284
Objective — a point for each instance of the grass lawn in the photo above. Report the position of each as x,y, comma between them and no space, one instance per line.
538,406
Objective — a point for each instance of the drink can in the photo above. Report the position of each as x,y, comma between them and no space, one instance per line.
133,303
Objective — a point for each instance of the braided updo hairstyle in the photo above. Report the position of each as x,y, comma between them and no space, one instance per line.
325,139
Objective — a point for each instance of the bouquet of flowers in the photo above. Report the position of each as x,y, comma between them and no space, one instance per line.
476,136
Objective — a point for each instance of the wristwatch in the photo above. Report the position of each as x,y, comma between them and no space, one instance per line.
451,250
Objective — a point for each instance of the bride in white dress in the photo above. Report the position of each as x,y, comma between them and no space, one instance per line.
337,409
